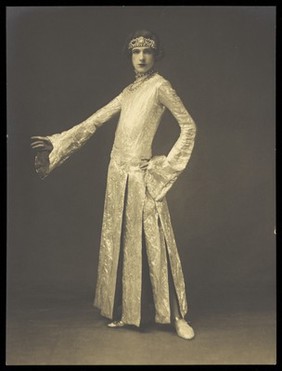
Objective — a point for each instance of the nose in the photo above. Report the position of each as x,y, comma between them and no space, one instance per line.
141,56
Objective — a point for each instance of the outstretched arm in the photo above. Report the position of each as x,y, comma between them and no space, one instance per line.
54,150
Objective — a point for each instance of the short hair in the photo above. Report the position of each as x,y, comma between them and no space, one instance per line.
158,51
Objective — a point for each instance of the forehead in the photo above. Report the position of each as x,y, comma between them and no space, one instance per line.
142,48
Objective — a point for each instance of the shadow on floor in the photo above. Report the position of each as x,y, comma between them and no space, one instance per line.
57,326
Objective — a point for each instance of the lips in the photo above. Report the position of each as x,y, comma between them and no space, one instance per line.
141,64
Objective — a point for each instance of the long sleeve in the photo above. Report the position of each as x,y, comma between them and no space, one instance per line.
163,171
69,141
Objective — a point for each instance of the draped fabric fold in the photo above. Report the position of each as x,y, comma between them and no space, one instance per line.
145,206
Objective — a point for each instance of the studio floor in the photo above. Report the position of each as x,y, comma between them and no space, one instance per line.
60,327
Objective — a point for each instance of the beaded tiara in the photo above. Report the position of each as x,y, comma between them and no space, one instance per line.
142,42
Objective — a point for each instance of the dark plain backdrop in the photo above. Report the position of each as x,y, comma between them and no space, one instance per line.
64,63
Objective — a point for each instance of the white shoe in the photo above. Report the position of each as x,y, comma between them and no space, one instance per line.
184,330
115,324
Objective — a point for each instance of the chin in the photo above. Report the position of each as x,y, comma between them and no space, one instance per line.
143,70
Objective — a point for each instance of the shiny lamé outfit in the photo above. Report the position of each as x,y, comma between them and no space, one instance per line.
135,201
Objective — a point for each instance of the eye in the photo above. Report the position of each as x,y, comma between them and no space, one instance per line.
135,51
148,51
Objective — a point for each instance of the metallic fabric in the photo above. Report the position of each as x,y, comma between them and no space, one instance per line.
69,141
135,198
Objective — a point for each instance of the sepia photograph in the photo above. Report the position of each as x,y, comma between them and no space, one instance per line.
141,200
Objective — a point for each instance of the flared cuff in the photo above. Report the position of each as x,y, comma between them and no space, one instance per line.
42,163
160,177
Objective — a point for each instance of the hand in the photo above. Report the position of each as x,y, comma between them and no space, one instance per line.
41,144
144,163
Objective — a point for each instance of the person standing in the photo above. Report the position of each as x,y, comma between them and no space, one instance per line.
136,229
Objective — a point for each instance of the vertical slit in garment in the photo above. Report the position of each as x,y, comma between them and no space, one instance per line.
117,310
147,301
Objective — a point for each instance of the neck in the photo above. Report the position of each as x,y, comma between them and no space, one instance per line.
139,75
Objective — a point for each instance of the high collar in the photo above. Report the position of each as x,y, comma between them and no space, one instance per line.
140,76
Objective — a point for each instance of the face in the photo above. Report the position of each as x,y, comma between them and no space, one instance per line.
142,59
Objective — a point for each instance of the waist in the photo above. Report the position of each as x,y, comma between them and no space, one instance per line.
134,159
128,165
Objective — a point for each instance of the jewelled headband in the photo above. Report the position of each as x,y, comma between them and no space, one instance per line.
142,42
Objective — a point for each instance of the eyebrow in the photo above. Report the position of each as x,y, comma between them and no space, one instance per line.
145,49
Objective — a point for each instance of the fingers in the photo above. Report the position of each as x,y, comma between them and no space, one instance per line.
40,138
144,166
35,143
144,163
41,143
38,146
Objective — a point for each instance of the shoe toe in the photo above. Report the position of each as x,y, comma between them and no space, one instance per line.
184,330
115,324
